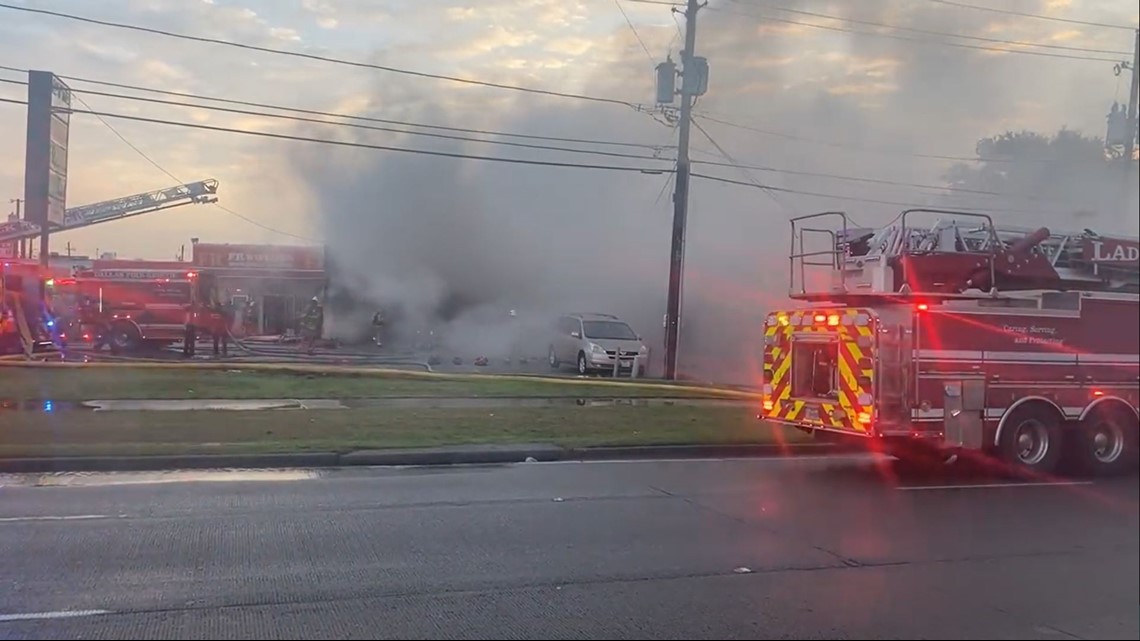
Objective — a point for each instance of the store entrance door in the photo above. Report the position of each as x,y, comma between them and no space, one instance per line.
278,313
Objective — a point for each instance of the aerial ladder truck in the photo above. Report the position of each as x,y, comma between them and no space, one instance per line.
24,322
202,191
945,333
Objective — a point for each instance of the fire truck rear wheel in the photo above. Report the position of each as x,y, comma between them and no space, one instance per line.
123,338
1105,443
1032,439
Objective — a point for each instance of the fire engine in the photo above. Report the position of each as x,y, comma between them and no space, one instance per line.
27,323
130,310
946,333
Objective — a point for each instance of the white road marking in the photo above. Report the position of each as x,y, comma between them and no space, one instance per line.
990,486
39,616
97,479
75,517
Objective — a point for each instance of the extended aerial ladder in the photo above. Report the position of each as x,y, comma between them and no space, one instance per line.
960,254
202,191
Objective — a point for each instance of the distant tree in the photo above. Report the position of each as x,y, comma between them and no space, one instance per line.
1064,173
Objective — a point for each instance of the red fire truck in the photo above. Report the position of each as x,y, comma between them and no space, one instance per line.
945,333
27,323
134,309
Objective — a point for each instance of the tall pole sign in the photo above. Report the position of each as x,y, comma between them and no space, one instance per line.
45,154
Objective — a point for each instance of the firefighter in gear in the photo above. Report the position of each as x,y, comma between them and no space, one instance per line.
312,323
378,323
190,335
221,320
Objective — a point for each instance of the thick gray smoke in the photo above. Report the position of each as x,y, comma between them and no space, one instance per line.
456,244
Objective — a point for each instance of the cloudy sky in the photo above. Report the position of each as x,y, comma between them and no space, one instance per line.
813,87
794,79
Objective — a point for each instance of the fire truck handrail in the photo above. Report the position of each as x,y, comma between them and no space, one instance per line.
835,251
905,258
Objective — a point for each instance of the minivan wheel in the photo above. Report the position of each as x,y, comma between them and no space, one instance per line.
583,368
552,357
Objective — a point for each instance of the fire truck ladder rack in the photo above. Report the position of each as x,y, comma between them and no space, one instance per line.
961,255
202,191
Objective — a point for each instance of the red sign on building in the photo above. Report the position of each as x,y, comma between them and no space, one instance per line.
267,257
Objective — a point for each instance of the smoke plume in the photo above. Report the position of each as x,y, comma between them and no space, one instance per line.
456,244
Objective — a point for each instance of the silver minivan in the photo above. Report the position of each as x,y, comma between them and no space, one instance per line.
593,342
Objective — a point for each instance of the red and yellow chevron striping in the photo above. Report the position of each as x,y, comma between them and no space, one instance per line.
849,408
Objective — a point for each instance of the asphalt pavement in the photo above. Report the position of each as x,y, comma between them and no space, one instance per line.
842,547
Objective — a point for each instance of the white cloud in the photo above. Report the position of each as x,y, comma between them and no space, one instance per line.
790,78
460,13
285,33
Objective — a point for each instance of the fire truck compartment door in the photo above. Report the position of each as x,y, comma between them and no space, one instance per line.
964,403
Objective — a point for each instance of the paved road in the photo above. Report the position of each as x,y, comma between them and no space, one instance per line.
842,548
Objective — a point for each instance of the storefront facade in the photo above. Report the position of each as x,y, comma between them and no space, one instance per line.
270,285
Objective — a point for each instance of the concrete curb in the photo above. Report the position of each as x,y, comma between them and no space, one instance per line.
389,372
461,455
758,450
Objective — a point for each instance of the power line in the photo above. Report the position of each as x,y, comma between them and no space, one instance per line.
355,125
930,32
1010,12
646,170
733,163
859,148
130,144
331,114
361,145
264,114
895,36
858,179
176,179
771,191
634,30
801,192
311,56
263,226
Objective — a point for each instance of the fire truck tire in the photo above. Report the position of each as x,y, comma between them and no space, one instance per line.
1106,442
123,338
552,358
1032,439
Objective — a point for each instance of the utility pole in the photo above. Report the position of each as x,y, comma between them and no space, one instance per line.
694,77
1133,96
